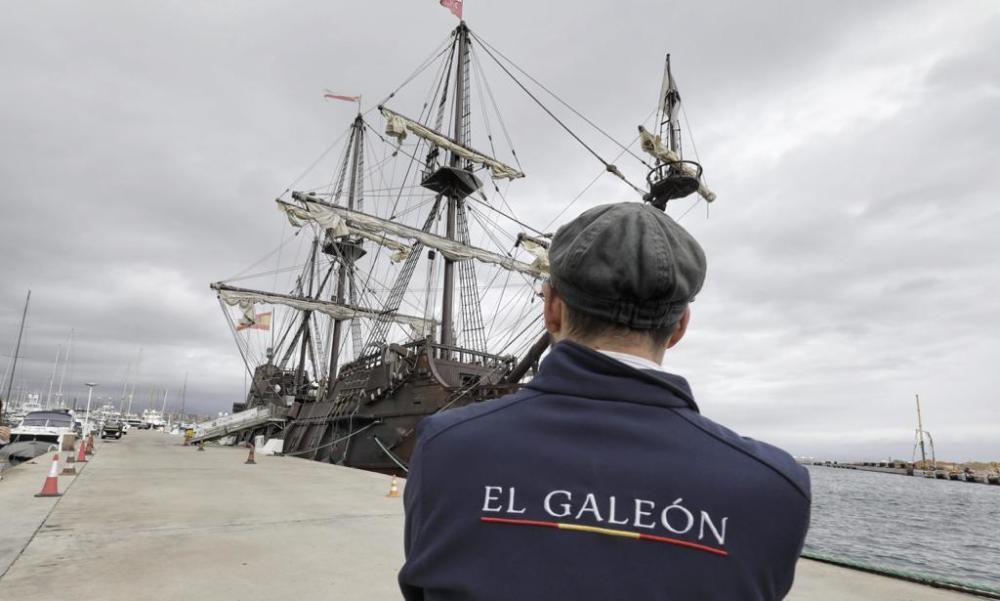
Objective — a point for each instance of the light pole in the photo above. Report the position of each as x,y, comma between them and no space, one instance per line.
90,393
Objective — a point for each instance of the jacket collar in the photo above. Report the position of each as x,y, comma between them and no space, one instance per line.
577,370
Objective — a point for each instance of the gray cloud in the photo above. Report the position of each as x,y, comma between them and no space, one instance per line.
852,251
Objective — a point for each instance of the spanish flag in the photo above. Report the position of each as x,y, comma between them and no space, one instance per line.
261,321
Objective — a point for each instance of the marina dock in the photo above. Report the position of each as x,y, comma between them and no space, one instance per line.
148,518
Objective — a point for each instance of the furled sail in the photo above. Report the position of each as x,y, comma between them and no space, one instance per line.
538,247
397,126
653,145
299,216
375,228
245,299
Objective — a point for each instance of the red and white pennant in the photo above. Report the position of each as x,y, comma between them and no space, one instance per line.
455,6
331,95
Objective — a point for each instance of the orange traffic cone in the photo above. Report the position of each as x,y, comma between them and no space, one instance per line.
51,486
393,488
81,456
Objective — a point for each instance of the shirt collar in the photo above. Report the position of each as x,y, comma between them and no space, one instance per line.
574,369
632,360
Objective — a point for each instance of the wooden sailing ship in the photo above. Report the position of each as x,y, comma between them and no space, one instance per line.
356,366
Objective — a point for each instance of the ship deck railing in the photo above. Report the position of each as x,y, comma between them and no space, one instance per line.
469,356
437,351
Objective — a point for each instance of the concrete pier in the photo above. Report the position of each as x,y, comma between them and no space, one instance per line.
150,519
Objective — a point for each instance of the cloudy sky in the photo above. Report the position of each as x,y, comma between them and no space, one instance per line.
852,251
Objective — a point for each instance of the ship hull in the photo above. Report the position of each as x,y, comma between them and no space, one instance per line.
371,418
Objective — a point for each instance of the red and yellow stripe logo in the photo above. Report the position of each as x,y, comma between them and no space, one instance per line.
606,532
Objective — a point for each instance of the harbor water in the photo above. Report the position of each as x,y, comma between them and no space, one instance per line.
937,529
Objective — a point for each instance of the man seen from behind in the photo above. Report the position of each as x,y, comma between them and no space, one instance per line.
600,478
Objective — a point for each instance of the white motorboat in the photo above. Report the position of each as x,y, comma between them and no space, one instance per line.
46,426
153,419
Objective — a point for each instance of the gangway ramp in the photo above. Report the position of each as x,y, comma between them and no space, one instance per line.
236,424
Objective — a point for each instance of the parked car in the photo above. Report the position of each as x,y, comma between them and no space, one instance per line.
112,428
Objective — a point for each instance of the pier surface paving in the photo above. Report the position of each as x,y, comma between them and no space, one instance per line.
150,519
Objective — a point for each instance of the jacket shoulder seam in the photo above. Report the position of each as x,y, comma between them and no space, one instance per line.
735,447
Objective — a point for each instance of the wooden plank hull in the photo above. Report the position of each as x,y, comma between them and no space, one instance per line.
369,419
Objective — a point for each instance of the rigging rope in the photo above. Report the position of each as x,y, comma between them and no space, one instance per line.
246,363
494,231
610,168
689,209
503,198
416,73
474,331
390,454
511,217
241,275
330,444
554,95
691,137
322,155
443,85
593,181
496,108
503,292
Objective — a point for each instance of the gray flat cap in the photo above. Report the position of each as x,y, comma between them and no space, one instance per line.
628,263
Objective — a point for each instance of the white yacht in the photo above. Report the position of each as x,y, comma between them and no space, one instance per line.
153,418
45,426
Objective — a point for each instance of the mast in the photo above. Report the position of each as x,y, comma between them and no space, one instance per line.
121,400
461,115
920,434
135,376
52,378
346,262
306,330
673,176
62,375
671,99
184,390
17,351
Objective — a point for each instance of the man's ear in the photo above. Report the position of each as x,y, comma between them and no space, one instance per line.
682,326
553,311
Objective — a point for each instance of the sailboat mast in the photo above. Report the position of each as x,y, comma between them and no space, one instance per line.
52,379
184,390
17,351
135,376
461,115
920,434
62,374
338,324
128,373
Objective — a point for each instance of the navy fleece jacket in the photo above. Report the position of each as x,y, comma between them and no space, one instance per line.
598,481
